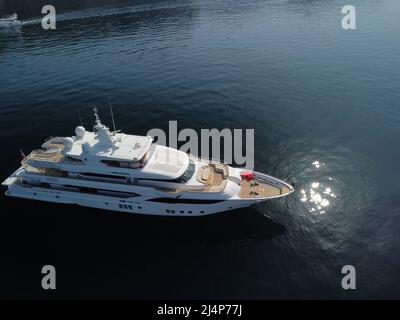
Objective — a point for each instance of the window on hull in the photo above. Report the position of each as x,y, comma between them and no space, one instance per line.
46,171
104,192
100,175
122,164
185,177
131,164
188,173
71,160
184,201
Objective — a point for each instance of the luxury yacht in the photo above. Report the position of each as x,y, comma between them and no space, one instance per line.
120,172
10,21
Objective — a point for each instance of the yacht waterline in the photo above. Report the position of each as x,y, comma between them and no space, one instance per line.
128,173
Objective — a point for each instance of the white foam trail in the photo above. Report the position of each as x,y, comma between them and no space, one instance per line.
108,11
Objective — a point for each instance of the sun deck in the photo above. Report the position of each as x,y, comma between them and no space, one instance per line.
260,189
51,152
52,155
214,176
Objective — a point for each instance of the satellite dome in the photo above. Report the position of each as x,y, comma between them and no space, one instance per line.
80,132
68,143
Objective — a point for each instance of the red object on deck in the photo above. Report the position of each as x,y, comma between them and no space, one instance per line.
23,156
248,175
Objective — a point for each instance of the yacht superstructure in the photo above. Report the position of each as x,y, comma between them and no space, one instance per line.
116,171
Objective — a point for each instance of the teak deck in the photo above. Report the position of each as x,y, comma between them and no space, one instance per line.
51,155
260,189
214,176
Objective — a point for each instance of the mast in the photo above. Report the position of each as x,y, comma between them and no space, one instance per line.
96,116
80,118
112,114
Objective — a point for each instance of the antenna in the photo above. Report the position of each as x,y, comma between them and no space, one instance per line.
96,116
80,118
111,110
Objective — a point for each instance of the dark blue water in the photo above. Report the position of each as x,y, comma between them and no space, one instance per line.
324,104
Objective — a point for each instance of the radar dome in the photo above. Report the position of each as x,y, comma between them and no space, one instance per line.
80,132
68,143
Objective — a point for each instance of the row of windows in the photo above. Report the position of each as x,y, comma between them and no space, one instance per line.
185,177
128,206
100,175
172,211
105,192
187,201
122,164
187,174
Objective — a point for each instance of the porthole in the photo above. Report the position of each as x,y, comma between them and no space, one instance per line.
201,211
58,197
106,203
182,211
139,207
189,211
167,210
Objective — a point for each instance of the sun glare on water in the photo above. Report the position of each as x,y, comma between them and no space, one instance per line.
317,197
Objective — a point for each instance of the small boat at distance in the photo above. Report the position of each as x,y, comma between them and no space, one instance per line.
10,21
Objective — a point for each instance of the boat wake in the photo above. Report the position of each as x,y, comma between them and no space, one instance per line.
110,10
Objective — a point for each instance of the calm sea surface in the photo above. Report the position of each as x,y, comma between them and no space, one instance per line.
324,104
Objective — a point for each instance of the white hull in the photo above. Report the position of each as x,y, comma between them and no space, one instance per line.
138,205
126,173
141,201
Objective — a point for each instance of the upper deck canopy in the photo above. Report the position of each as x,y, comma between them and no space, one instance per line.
102,149
106,144
119,146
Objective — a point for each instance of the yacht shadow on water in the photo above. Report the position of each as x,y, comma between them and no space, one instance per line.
239,224
236,225
93,246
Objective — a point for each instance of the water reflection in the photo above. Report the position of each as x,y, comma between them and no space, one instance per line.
241,68
318,196
317,165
